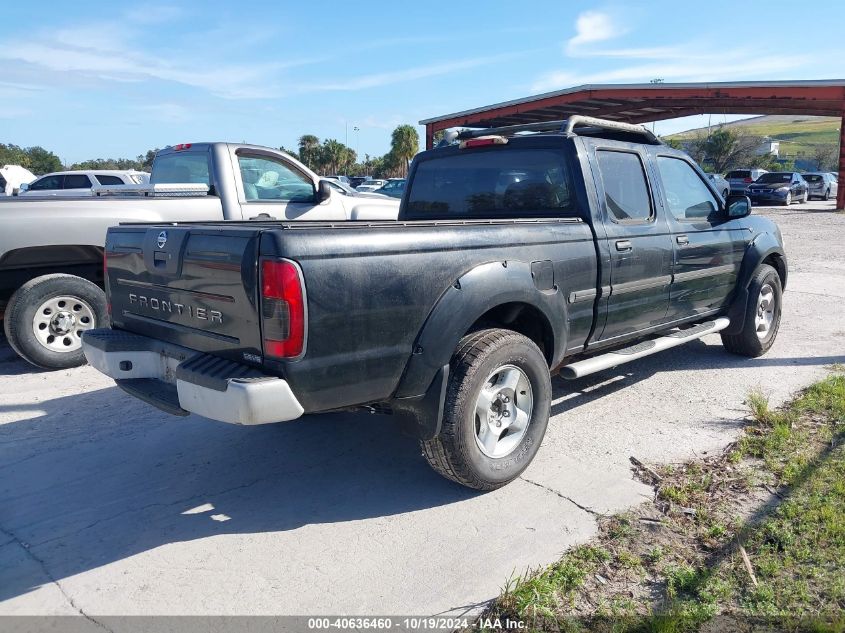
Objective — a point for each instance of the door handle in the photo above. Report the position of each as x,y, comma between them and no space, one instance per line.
683,240
623,245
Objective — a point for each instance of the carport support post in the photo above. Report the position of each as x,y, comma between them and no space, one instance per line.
429,136
840,191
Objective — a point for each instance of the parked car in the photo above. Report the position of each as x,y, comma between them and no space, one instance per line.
12,177
721,184
77,183
780,187
821,185
453,317
343,179
51,249
354,181
394,187
371,185
346,190
739,179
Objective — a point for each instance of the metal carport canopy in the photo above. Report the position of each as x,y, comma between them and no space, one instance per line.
643,103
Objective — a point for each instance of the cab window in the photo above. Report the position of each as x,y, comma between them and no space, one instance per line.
687,195
267,179
47,183
625,187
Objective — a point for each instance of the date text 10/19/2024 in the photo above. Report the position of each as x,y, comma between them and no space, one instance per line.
413,624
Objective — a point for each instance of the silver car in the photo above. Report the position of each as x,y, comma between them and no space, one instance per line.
822,185
741,178
722,185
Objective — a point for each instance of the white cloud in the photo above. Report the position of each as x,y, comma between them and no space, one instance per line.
594,26
408,74
104,52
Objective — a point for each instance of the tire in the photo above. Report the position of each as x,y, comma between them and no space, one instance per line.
806,197
482,365
788,200
750,342
826,195
46,316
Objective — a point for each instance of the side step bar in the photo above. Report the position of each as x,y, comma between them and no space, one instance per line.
646,348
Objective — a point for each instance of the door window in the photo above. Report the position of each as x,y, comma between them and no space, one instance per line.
625,186
77,181
47,183
686,194
267,179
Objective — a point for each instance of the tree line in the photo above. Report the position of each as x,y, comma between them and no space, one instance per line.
725,149
333,157
328,157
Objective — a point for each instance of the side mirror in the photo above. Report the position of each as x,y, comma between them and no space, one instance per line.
23,188
738,206
324,191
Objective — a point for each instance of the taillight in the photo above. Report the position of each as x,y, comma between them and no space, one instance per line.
483,141
282,308
182,146
748,180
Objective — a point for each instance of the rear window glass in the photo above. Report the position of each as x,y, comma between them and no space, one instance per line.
775,177
813,178
739,173
181,167
105,179
492,183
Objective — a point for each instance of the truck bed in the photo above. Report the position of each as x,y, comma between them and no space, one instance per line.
366,299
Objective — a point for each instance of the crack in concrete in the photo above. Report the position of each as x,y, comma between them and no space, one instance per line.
563,496
14,539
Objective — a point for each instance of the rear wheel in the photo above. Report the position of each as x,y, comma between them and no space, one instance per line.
826,195
496,410
46,317
762,315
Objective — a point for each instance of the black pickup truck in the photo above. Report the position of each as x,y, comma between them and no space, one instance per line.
578,247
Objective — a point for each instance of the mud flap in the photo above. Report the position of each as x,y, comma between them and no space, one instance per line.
422,416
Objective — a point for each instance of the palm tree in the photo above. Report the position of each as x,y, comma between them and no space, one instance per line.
404,144
332,153
309,146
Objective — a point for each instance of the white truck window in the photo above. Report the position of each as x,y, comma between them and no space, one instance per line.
266,179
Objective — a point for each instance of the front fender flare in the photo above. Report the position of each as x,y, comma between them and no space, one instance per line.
760,248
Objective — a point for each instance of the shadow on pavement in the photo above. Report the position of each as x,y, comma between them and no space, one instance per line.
93,478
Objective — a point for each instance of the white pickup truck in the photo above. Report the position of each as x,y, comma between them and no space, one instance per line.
51,250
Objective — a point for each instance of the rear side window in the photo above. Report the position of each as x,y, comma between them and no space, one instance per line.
77,181
105,179
181,167
739,173
625,186
492,183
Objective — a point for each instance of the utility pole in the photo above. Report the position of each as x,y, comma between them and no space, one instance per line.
357,131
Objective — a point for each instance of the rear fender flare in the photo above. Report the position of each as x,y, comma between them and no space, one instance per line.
760,248
463,303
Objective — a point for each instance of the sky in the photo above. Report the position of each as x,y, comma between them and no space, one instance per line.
97,79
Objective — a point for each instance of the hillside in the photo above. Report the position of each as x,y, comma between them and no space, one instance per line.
798,134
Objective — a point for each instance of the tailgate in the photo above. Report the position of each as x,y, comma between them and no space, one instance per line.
192,286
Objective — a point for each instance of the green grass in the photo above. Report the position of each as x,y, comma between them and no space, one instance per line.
796,546
798,136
